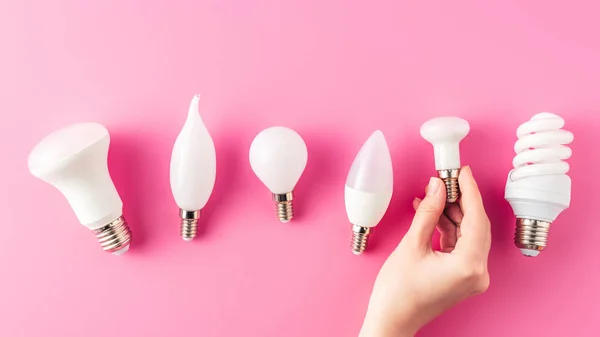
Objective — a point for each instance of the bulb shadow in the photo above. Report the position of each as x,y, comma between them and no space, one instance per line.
582,164
411,174
126,166
321,173
489,153
229,161
583,167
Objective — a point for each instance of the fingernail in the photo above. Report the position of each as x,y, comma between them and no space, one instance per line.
434,185
418,199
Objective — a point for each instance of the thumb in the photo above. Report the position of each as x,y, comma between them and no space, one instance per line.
428,214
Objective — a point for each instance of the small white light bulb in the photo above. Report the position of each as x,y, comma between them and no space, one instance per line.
445,134
74,160
193,170
278,156
369,188
538,188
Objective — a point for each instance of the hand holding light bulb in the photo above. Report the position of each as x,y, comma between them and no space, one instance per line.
193,170
445,133
369,188
278,156
74,160
416,283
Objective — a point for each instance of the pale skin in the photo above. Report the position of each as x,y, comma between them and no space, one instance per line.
417,283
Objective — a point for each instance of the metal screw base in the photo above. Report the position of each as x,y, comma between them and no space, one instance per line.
360,237
450,178
285,208
189,224
531,236
115,237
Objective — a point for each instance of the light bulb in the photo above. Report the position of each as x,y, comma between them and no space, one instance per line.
278,156
193,170
538,188
368,189
445,133
74,160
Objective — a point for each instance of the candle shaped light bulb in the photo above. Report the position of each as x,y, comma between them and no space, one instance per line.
445,134
74,160
278,156
368,190
538,188
193,170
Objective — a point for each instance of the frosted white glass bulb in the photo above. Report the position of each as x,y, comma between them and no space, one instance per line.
278,156
538,188
445,134
368,189
193,170
74,160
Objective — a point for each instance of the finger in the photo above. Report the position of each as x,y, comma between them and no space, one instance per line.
475,226
428,213
454,213
416,203
448,241
444,225
448,230
470,200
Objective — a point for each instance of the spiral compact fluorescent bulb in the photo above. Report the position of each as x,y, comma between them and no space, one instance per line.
74,160
538,188
193,170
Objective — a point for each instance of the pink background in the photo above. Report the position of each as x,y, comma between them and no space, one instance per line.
332,70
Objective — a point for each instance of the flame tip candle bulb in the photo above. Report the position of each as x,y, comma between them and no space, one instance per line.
193,170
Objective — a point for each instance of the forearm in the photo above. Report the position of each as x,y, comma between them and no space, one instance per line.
382,328
376,332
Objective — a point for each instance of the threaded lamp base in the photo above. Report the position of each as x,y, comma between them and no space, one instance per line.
360,237
189,224
450,179
285,207
115,237
531,236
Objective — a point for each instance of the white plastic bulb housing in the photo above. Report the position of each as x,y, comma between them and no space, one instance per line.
538,188
370,182
74,160
278,157
368,189
445,134
193,162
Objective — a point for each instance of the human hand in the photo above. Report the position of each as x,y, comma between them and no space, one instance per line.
416,283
